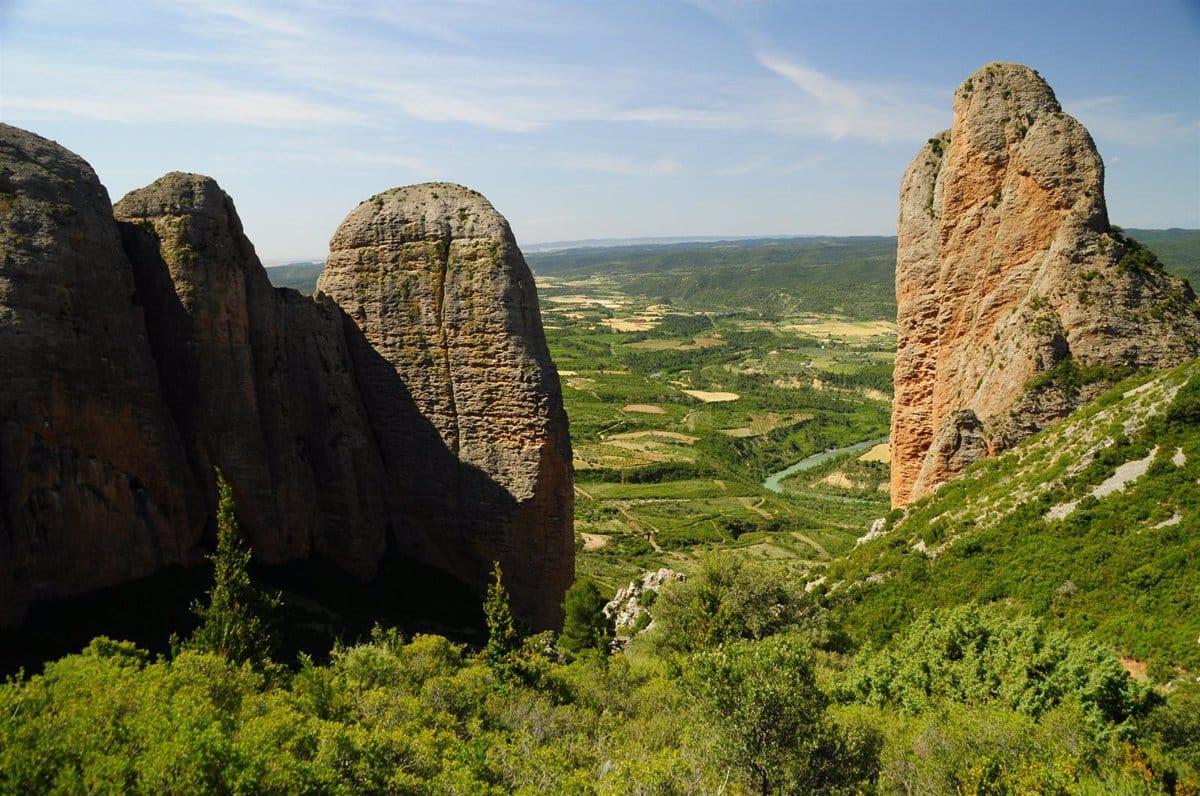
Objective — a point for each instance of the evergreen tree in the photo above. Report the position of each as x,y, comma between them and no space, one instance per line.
502,630
585,626
237,622
771,722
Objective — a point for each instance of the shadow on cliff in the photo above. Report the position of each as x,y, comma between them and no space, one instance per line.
442,512
436,510
443,523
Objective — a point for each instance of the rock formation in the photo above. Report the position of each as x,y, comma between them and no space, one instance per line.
90,462
1017,300
443,306
141,351
259,381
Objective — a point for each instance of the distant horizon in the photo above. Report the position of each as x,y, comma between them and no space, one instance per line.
584,121
549,247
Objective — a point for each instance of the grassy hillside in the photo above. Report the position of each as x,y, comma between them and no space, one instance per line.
1177,249
1046,528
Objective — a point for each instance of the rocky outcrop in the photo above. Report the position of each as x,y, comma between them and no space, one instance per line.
1017,300
259,381
143,350
441,302
628,610
90,493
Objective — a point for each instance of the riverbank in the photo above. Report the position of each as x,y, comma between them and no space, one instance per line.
774,482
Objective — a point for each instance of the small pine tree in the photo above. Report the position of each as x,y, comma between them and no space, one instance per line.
585,625
502,630
237,622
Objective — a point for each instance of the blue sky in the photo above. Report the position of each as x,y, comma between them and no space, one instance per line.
588,119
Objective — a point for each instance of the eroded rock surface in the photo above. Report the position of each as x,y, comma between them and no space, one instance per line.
259,381
90,493
1017,300
443,306
140,351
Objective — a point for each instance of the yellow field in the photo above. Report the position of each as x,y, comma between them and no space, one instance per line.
713,397
834,328
880,453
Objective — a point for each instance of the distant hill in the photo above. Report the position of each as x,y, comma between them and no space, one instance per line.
1177,249
1043,527
848,276
857,273
691,255
299,276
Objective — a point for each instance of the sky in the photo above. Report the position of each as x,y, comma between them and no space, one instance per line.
584,119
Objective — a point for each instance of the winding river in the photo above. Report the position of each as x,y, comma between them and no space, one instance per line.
774,481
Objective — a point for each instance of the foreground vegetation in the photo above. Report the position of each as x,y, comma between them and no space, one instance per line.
740,688
983,642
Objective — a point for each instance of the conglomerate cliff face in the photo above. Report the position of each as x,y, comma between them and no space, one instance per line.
89,457
141,352
1017,300
259,381
442,302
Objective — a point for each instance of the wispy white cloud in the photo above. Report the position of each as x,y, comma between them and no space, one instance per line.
161,105
337,62
1113,119
618,164
166,91
246,17
848,109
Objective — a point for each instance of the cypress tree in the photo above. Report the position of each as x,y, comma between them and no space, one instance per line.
237,622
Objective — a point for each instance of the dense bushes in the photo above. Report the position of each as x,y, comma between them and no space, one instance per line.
773,723
982,656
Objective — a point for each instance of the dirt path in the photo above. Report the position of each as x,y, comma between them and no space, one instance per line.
579,490
648,535
813,543
747,501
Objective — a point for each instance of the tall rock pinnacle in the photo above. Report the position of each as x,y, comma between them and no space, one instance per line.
442,302
1011,283
89,458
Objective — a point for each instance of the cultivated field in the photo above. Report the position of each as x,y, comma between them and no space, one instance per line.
678,413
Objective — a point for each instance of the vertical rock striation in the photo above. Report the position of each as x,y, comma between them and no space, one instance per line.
90,494
258,380
443,307
138,352
1017,301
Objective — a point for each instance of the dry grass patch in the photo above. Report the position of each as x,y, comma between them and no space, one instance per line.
841,481
672,436
593,541
712,397
629,324
645,409
880,453
834,328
